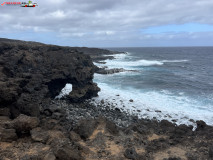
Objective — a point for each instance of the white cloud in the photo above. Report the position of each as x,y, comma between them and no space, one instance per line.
105,19
104,33
57,14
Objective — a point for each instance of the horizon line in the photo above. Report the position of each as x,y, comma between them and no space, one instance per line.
109,46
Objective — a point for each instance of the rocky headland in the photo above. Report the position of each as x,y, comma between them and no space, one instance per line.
35,126
99,55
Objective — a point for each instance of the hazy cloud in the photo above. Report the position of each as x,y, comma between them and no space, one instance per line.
105,21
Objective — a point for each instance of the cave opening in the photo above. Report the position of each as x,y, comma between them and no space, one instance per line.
59,87
65,91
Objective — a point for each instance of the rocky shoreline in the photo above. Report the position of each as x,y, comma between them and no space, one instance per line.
83,131
99,55
35,126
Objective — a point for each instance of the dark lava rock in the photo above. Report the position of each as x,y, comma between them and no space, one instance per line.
29,157
130,153
38,135
102,101
78,94
200,125
47,112
57,115
33,73
8,135
111,127
109,71
142,129
117,110
5,112
182,130
211,152
67,152
85,128
25,123
167,126
174,120
192,120
192,156
74,136
97,54
49,156
157,144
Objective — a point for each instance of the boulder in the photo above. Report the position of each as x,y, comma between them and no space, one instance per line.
130,153
74,136
86,92
25,123
200,125
56,137
68,152
112,128
8,135
85,128
49,156
38,135
109,71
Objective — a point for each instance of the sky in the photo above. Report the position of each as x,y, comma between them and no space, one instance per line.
111,23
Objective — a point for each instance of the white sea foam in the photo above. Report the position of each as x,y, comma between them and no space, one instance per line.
118,63
124,61
148,104
65,91
175,61
145,103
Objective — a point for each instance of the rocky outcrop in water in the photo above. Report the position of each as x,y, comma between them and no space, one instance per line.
99,55
33,73
105,70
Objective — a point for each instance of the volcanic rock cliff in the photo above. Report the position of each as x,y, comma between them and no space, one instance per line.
33,73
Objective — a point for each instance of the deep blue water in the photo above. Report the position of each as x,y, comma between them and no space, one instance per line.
188,70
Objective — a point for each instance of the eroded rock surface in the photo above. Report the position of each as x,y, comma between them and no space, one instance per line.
32,73
99,138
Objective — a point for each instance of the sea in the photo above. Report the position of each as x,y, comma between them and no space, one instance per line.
173,83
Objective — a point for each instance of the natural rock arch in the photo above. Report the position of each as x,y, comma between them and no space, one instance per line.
33,73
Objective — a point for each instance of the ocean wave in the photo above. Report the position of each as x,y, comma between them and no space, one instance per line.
175,61
125,61
144,62
117,56
123,64
127,64
155,104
